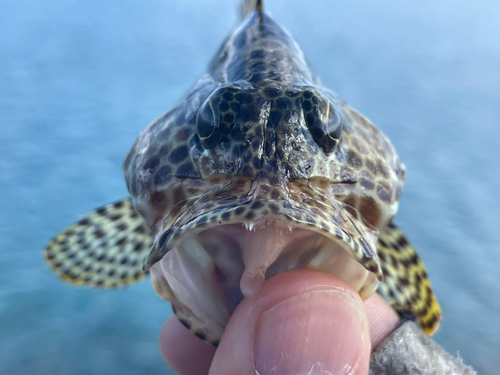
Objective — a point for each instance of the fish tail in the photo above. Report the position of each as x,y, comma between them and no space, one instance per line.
248,6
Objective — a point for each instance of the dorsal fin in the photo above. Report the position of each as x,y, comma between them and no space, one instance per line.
248,6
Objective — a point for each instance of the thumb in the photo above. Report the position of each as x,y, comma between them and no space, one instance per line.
300,322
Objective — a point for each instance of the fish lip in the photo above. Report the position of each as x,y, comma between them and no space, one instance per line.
290,213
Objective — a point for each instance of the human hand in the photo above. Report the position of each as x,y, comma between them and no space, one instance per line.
300,322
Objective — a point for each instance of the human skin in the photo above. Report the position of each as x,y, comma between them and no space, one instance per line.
300,322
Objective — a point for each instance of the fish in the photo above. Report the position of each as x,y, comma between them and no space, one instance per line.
258,170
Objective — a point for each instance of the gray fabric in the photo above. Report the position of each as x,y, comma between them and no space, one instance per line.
408,351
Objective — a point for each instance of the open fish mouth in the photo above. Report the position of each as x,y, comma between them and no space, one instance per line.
258,170
208,265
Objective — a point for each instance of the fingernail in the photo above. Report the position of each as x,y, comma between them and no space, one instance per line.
317,332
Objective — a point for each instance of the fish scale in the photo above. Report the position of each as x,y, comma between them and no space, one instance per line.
257,143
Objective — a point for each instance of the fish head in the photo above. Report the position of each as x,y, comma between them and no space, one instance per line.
258,170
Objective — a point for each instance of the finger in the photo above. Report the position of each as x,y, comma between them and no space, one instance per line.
182,350
382,319
189,355
301,321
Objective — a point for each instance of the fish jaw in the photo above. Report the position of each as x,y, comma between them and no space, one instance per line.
215,255
206,275
356,240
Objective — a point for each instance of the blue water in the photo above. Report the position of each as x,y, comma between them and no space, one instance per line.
80,79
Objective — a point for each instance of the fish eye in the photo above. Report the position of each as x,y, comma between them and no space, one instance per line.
217,116
322,119
207,124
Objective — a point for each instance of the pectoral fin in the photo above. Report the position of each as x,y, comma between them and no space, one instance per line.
406,285
106,248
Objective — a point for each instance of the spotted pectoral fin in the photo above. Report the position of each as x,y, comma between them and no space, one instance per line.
106,248
406,285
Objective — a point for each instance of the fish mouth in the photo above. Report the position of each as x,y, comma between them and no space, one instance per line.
208,264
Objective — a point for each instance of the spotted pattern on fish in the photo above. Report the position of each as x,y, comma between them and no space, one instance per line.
106,248
406,285
257,137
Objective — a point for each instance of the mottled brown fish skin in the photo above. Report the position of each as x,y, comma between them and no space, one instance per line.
257,138
259,126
